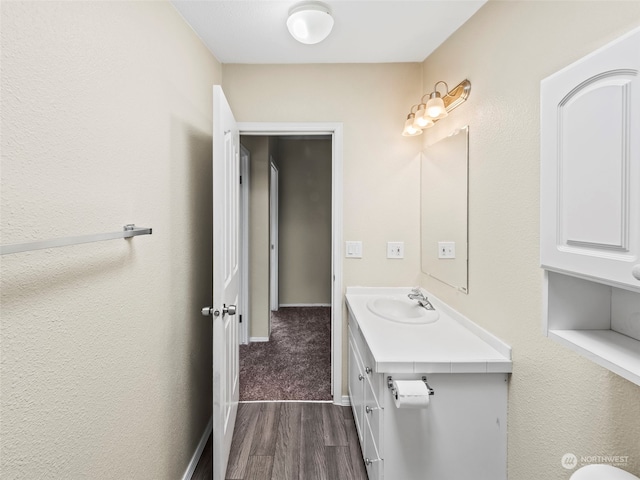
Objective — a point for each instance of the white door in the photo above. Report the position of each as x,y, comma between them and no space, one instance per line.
273,237
226,279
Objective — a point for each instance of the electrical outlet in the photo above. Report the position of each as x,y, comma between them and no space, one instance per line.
395,249
446,249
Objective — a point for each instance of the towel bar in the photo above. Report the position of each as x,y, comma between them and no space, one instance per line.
129,230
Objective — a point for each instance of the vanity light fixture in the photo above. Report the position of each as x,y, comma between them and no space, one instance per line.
410,129
438,106
310,22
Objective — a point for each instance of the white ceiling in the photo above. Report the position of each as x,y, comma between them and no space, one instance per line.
254,31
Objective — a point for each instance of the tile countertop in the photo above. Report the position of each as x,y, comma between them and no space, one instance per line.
453,344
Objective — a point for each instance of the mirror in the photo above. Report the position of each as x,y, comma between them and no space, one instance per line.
443,210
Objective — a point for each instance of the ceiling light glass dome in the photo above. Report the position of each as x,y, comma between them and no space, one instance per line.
310,22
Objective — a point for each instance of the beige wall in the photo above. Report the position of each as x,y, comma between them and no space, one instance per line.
258,235
381,168
304,221
558,401
106,360
381,171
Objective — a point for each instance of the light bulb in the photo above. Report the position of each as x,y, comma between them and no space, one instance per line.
435,107
409,129
422,119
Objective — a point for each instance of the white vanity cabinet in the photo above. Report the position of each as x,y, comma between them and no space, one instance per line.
590,205
462,433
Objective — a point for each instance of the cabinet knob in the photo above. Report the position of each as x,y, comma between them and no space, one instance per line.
635,271
368,370
367,462
360,377
368,409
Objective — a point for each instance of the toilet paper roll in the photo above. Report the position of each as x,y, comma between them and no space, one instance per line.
411,394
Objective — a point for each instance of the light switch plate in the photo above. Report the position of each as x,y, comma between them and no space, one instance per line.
395,249
353,249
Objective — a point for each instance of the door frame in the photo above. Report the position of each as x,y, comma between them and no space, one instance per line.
274,302
335,129
245,175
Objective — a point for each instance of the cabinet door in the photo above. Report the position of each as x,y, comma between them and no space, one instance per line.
590,166
356,388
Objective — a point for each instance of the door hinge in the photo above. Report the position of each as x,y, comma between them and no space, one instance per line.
240,321
240,179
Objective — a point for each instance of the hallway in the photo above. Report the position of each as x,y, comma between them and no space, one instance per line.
295,364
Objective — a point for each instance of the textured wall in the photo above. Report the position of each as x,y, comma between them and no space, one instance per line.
305,221
105,359
559,402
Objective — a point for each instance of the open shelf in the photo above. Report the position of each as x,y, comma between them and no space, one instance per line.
600,322
607,348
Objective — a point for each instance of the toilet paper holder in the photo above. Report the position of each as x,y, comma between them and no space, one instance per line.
395,393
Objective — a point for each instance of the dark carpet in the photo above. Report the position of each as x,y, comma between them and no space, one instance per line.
295,364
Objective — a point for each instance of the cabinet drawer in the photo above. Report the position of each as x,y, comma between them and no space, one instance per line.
358,339
374,415
366,356
357,381
372,459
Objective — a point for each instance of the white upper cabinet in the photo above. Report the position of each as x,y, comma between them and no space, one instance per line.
590,206
590,166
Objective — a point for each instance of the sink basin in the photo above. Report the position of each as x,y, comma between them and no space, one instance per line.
401,310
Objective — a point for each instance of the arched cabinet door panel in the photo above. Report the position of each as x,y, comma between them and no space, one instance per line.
590,166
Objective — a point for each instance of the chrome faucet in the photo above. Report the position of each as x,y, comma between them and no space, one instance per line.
416,294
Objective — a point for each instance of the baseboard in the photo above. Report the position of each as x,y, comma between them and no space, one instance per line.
193,463
258,339
305,305
346,401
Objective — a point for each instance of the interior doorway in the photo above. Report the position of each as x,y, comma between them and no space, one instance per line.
332,134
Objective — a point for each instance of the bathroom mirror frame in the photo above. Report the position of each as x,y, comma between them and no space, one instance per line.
444,208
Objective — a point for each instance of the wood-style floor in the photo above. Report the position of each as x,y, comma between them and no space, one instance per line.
291,441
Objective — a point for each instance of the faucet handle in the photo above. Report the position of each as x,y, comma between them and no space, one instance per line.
416,290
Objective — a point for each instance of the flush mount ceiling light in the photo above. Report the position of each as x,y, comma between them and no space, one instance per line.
438,106
310,22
